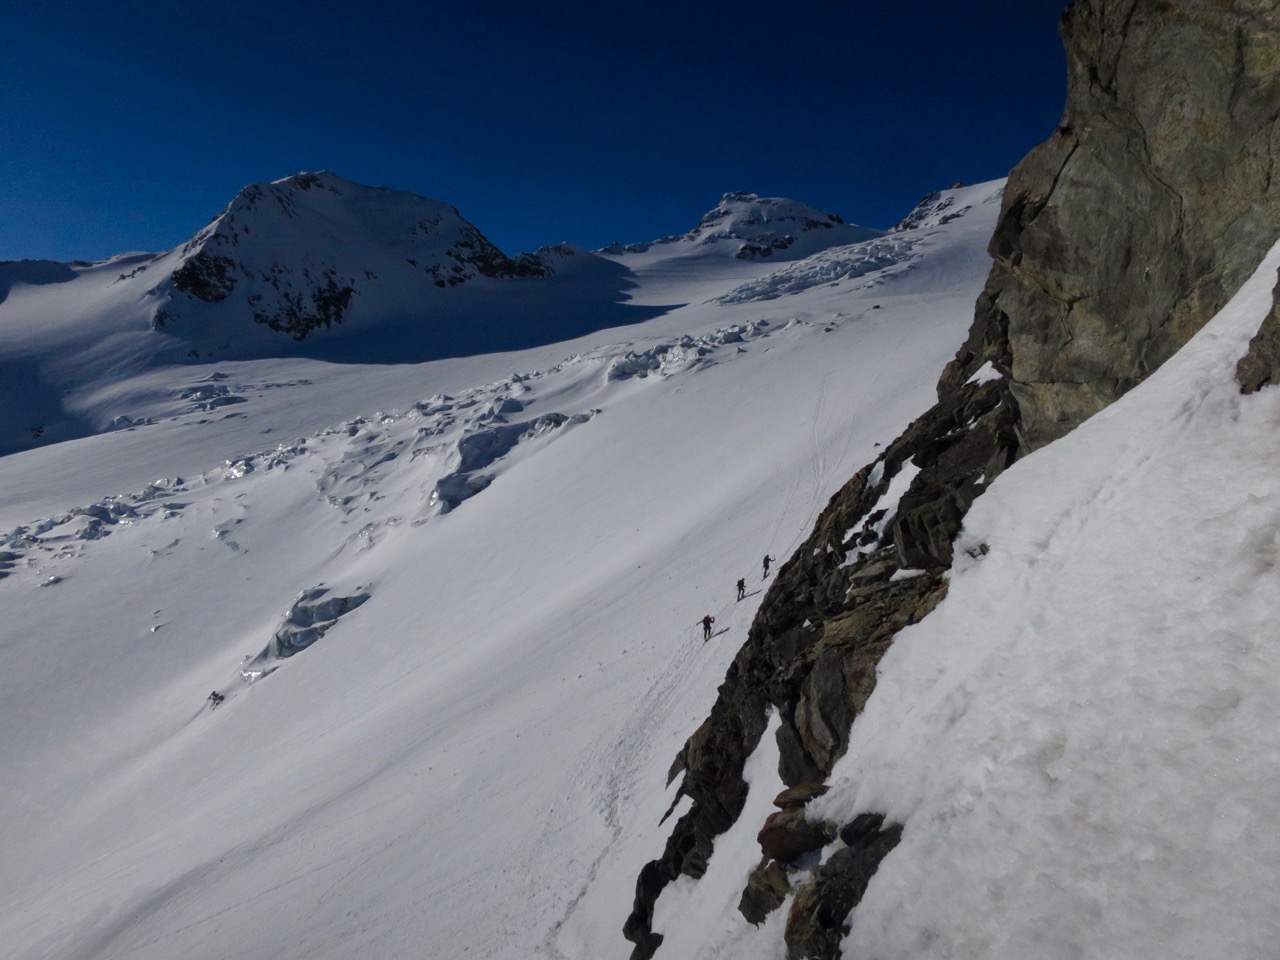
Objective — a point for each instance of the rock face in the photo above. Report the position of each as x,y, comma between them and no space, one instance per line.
766,890
1146,209
816,921
1118,238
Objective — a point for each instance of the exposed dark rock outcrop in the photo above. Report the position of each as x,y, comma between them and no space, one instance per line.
817,920
1147,208
788,835
765,246
1118,238
931,204
298,314
798,796
1261,364
474,254
206,277
766,890
828,618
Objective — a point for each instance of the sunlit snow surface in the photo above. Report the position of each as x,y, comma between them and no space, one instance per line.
471,761
1081,740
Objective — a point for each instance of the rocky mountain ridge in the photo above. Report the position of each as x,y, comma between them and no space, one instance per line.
1118,238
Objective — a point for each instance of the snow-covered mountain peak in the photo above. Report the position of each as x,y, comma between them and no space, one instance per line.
310,250
324,194
747,226
748,216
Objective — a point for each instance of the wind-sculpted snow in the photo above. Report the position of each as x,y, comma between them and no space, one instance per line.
484,447
389,471
829,266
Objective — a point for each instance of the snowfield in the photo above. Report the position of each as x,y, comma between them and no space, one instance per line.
452,606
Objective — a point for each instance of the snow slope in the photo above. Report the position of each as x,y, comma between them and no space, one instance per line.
451,606
1081,740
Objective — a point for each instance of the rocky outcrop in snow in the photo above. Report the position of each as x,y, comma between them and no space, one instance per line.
683,352
1118,239
1261,364
1150,204
764,224
933,210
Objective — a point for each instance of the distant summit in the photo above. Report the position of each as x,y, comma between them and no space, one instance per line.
763,225
304,252
747,226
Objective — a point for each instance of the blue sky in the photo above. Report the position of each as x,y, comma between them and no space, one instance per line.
126,126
